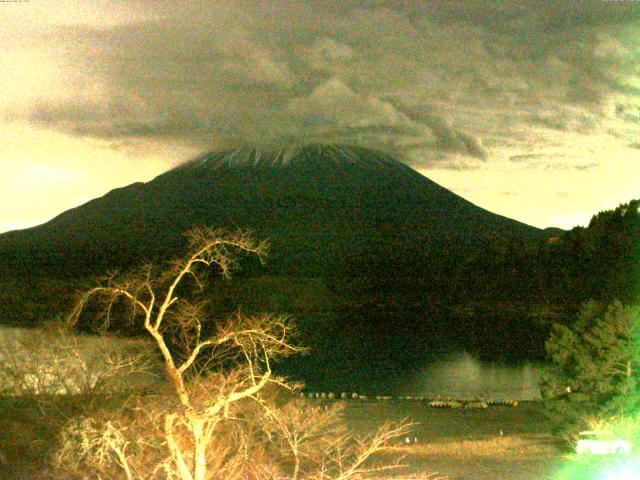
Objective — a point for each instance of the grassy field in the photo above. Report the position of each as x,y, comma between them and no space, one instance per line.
493,443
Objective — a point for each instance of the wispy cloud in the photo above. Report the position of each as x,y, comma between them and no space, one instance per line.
282,69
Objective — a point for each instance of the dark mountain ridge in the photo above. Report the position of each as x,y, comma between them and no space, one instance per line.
327,209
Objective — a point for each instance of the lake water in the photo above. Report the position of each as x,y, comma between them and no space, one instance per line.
463,376
422,353
355,354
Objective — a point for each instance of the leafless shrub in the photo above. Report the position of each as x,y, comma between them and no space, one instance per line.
101,445
54,361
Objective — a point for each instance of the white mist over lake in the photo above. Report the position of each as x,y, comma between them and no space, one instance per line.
463,376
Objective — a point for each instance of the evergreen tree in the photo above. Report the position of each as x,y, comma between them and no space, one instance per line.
595,369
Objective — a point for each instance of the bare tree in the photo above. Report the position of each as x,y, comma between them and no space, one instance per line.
156,302
217,374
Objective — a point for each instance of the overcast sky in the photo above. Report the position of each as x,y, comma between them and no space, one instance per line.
529,109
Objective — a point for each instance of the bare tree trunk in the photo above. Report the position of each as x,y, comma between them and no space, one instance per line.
181,465
200,449
296,467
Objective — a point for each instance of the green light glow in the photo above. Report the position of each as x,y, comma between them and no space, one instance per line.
607,467
627,471
610,467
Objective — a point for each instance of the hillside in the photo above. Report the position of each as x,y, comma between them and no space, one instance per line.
327,209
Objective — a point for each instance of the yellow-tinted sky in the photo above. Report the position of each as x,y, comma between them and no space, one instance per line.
529,109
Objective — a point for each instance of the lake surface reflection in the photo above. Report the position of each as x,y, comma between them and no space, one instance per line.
465,377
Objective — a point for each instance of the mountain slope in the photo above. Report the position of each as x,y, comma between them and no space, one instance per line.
326,208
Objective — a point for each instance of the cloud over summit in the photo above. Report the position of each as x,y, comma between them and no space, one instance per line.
442,82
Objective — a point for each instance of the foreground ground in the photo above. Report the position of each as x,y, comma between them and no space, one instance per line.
496,443
486,444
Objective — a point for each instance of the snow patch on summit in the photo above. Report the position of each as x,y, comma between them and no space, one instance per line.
315,155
